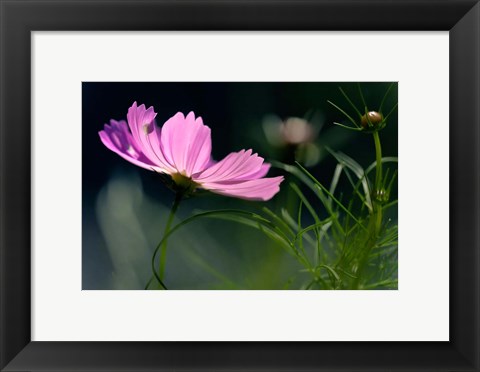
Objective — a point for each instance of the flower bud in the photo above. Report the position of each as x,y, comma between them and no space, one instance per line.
296,131
373,117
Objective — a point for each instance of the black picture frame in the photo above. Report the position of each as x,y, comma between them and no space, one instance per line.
18,18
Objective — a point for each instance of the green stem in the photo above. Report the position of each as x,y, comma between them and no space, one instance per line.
378,183
163,254
378,153
376,217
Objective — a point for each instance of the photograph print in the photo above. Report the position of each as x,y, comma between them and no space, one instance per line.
239,186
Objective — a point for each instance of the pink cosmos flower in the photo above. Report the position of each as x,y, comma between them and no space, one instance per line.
182,149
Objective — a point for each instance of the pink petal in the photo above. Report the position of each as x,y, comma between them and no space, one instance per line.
259,189
147,134
261,172
186,143
237,166
211,163
240,175
117,139
154,140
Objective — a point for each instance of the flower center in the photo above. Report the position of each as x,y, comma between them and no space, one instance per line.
184,183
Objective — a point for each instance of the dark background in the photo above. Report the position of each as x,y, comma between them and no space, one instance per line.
212,254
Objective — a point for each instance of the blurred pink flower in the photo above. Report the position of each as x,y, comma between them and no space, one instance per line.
182,148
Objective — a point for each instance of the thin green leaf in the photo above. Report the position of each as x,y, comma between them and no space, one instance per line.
350,102
305,201
391,112
291,222
385,178
288,248
344,113
331,271
391,204
390,185
346,273
335,178
278,220
356,129
366,202
296,172
299,222
325,202
289,219
299,215
384,97
305,286
362,98
386,159
318,191
357,169
324,189
314,226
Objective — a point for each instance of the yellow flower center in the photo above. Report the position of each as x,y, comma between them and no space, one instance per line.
184,183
